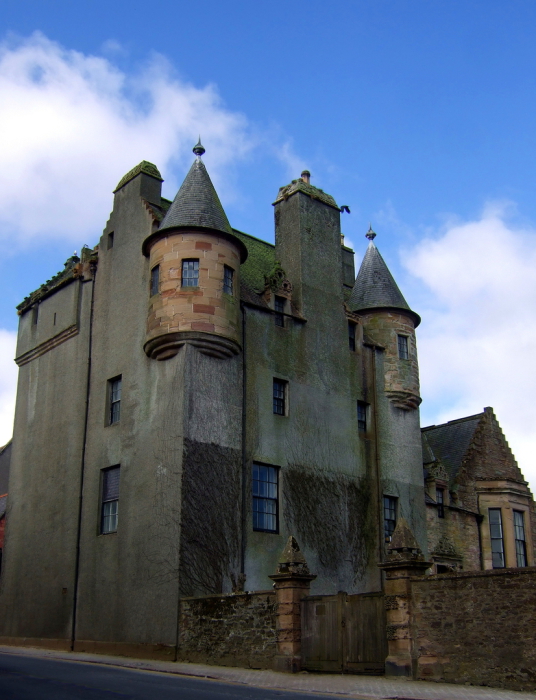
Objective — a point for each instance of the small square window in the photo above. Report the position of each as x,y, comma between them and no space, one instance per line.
389,516
155,280
110,240
228,278
110,500
362,416
114,391
351,335
265,498
279,308
190,273
280,397
403,352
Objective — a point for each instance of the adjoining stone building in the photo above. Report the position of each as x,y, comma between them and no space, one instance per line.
189,397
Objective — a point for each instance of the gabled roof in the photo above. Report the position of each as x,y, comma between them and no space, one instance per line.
375,287
197,203
449,442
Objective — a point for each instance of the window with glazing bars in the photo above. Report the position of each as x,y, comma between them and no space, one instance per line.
279,397
389,516
496,535
110,500
228,274
115,399
190,273
403,353
279,307
265,498
351,335
155,280
440,500
362,416
521,546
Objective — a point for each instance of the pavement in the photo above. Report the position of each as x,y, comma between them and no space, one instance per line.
353,686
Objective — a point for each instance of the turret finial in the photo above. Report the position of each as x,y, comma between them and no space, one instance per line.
198,148
370,233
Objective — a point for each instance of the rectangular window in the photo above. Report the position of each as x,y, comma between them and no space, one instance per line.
389,516
110,240
403,353
440,500
279,307
190,273
280,388
265,498
228,274
496,535
521,546
155,280
35,314
110,500
362,416
351,335
115,400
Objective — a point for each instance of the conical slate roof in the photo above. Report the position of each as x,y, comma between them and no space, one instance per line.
197,203
375,287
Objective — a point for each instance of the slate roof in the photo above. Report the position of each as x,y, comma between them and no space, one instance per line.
260,261
449,442
375,287
197,203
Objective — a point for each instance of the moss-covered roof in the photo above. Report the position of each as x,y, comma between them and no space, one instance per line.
143,167
260,262
300,185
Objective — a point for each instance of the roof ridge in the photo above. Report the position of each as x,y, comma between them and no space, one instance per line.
453,421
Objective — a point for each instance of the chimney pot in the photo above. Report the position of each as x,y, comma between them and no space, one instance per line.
306,176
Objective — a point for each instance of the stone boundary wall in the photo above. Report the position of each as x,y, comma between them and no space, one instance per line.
235,629
477,627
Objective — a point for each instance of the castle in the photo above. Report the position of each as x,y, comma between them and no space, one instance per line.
190,396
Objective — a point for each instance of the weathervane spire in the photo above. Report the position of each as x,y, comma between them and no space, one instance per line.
370,233
198,149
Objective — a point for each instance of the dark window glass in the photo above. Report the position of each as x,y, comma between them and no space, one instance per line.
519,529
264,490
440,500
115,400
351,335
110,240
362,416
110,499
496,535
279,307
279,397
389,516
155,280
403,353
228,274
35,314
190,273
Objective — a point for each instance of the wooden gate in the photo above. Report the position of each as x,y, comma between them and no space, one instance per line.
344,633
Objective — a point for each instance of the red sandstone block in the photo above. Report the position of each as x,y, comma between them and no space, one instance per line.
202,326
203,245
203,309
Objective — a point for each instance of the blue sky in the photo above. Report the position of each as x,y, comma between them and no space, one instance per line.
419,114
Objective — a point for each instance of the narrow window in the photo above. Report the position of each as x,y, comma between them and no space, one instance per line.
190,273
362,416
440,500
54,318
521,546
265,498
280,397
35,314
403,353
496,534
279,307
110,240
155,280
351,335
115,400
228,274
110,500
389,516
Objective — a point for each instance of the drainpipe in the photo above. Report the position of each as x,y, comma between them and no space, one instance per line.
377,464
83,462
244,455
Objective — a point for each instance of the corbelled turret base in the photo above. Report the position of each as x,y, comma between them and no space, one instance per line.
168,345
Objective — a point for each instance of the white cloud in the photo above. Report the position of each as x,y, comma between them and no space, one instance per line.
477,342
8,384
71,125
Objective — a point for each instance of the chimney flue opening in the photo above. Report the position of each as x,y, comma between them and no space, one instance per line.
306,176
